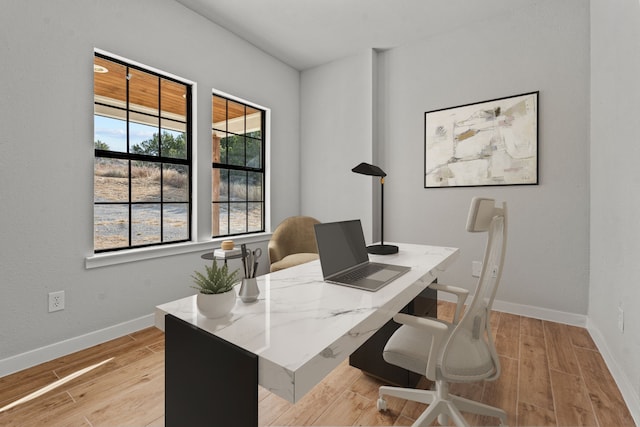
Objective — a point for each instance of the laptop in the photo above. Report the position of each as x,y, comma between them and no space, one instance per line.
345,261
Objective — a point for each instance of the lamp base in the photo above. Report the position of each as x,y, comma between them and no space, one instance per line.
382,249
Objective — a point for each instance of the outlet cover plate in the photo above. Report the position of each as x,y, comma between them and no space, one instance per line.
476,268
56,301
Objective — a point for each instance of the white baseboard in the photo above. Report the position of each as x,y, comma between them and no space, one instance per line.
541,313
44,354
629,394
530,311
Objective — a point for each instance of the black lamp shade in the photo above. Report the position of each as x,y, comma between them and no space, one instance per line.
367,169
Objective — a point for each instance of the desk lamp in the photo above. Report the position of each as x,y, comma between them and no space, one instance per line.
381,249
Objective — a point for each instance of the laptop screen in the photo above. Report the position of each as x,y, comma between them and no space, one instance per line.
341,246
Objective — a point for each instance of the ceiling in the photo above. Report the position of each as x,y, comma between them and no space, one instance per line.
308,33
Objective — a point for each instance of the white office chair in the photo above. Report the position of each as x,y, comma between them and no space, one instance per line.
461,351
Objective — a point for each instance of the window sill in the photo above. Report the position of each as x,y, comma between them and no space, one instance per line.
133,255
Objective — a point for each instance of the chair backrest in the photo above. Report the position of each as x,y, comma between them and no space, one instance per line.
294,235
470,353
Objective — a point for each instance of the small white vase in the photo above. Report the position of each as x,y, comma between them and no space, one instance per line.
213,306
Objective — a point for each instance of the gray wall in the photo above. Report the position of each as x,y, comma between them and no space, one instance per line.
615,178
46,165
336,125
544,47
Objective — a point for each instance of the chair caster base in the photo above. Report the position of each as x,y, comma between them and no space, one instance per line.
382,404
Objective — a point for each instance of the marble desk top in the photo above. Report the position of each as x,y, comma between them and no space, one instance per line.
301,327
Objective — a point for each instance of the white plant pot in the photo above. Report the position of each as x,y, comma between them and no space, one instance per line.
213,306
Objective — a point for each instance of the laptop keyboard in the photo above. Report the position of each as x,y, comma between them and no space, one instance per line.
359,273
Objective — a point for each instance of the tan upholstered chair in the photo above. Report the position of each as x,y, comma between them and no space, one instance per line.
293,243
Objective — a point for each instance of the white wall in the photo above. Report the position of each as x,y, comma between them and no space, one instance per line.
46,161
336,134
615,199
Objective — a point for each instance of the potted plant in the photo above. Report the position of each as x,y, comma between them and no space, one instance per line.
216,296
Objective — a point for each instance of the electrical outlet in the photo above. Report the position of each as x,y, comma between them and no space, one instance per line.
476,268
494,271
56,301
620,318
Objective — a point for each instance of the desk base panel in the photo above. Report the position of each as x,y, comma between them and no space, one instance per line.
208,381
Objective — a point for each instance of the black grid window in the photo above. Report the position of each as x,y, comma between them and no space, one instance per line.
142,167
238,170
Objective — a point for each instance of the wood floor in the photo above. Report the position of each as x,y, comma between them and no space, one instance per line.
552,375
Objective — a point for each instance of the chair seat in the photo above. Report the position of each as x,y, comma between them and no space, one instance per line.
293,259
408,348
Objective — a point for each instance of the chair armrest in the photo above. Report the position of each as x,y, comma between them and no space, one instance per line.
432,325
461,293
436,329
274,252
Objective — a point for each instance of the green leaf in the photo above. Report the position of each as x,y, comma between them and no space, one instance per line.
216,281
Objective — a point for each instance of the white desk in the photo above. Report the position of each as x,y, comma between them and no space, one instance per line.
301,328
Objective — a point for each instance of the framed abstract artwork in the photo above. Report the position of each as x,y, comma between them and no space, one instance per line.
486,143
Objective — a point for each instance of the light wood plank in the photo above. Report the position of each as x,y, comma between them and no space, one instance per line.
446,310
572,404
532,327
608,404
372,417
534,383
561,355
580,337
158,422
473,391
270,408
308,409
133,395
531,415
148,337
81,359
412,410
507,337
494,321
403,421
263,393
502,393
344,411
57,409
20,384
157,347
368,387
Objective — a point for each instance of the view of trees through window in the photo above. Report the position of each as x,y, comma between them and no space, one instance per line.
142,168
237,168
